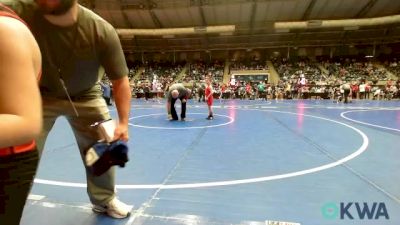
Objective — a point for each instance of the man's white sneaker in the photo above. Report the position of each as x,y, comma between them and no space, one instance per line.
115,208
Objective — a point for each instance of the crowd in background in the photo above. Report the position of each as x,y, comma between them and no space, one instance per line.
298,79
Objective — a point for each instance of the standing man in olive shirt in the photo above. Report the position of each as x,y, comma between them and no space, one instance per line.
78,47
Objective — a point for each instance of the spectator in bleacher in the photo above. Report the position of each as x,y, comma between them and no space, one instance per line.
376,91
354,90
361,89
223,90
159,90
346,91
367,90
261,90
249,91
392,92
106,89
154,84
241,90
232,82
146,90
288,88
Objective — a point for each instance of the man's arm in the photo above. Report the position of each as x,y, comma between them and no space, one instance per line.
122,98
112,59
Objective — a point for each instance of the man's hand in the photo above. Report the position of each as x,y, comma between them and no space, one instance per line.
121,132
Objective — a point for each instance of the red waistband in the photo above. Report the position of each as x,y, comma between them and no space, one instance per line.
17,149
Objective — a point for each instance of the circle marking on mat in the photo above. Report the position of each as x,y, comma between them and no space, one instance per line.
231,120
353,155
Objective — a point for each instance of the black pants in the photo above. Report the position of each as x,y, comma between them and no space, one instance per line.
362,95
108,100
146,95
16,176
173,110
346,95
